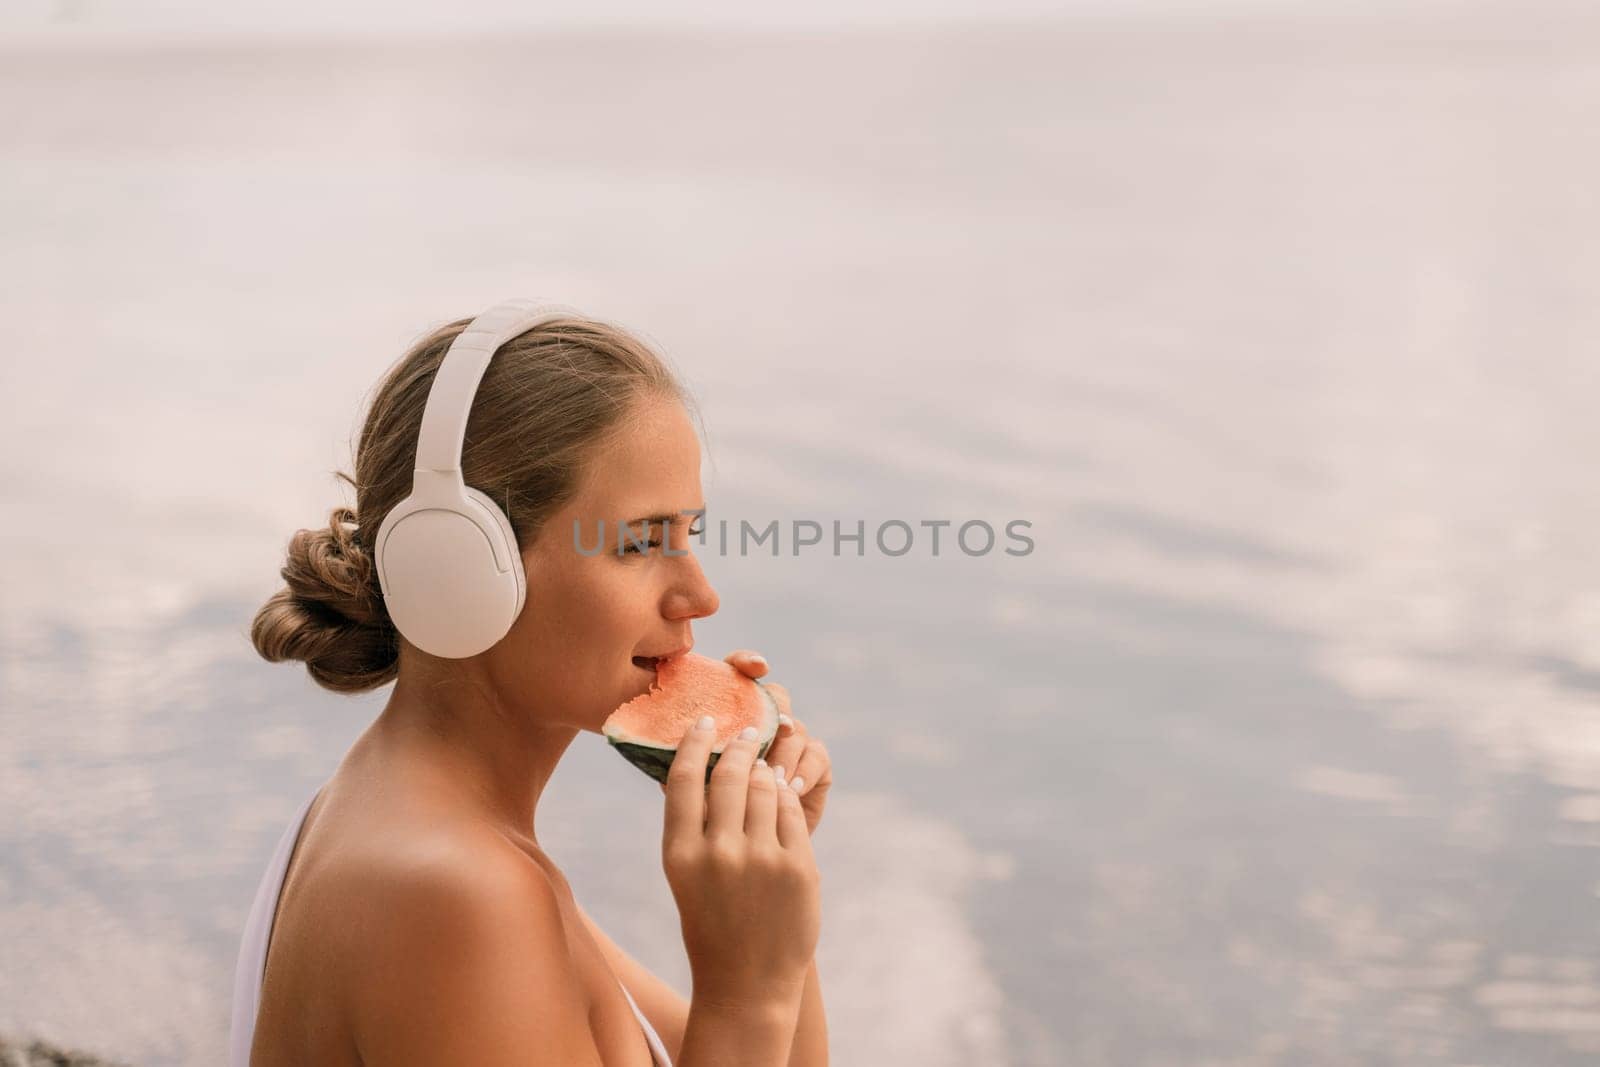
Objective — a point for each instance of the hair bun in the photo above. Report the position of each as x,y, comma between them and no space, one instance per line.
330,613
329,568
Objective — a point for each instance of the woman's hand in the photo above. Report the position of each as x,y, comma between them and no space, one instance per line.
794,752
738,859
800,757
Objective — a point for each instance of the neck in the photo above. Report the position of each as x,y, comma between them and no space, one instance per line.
494,756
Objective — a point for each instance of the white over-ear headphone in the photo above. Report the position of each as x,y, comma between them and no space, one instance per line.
446,555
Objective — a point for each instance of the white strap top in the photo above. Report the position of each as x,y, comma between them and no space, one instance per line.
248,972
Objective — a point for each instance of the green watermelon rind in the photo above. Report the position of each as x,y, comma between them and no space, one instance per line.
656,760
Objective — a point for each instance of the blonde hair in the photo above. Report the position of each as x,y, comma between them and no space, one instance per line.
549,401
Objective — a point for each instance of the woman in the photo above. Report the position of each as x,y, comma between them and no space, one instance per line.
411,916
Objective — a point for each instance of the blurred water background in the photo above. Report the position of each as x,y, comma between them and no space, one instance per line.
1280,747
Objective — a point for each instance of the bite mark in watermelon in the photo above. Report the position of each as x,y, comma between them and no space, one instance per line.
647,729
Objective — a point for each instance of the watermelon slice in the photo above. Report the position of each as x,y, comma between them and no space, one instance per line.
647,729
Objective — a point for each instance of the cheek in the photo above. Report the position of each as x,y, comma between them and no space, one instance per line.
589,621
620,607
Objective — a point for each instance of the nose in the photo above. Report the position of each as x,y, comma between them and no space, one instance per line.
691,595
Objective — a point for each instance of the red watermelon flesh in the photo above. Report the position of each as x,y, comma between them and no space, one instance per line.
647,729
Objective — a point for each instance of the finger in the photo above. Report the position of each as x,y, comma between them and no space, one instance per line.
761,804
782,695
786,751
792,830
789,743
730,784
811,767
686,783
753,664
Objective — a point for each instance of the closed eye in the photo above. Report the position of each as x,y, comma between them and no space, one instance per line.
632,547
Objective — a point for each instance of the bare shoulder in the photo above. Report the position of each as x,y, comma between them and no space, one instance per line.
464,958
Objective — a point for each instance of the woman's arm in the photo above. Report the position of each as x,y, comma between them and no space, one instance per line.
810,1047
668,1011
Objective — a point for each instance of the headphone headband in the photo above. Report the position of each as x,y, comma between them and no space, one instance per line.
444,416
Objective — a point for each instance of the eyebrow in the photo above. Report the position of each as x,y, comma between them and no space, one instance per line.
658,519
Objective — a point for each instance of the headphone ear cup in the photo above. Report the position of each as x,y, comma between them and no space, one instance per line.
507,548
442,585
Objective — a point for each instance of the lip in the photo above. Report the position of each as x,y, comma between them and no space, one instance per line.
666,655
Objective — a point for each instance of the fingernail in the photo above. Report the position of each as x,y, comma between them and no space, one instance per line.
706,722
785,719
747,734
796,783
760,762
759,659
777,770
